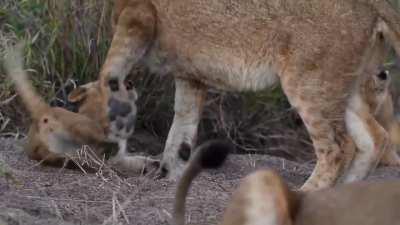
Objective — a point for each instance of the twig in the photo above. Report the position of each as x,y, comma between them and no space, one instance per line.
8,100
121,207
63,199
122,212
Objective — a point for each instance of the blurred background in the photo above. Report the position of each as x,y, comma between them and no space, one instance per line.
67,42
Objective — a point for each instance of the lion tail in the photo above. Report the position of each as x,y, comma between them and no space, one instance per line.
209,155
13,63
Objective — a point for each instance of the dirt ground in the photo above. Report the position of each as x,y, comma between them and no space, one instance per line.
43,195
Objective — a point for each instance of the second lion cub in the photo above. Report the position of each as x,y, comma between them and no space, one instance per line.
372,101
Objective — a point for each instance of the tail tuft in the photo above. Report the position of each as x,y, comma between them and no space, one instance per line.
209,155
213,153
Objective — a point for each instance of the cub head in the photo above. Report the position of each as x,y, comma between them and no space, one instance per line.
116,116
90,102
38,150
375,90
382,81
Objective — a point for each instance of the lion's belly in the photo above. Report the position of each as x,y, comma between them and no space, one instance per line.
236,75
224,69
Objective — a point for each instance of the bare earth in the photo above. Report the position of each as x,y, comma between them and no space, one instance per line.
43,195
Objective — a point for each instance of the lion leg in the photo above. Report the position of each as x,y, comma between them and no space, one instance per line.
372,142
321,105
331,145
131,41
189,100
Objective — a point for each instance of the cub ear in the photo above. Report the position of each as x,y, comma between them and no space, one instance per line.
78,94
81,92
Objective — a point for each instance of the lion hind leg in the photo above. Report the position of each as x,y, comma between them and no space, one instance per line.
322,110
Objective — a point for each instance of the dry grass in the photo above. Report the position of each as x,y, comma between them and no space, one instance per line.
65,40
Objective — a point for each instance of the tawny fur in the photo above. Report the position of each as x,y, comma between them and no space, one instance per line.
263,198
374,97
319,50
376,94
56,134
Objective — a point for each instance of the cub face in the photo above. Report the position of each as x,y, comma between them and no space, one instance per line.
116,118
90,102
375,91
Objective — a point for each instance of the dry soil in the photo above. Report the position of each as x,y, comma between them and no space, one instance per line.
35,194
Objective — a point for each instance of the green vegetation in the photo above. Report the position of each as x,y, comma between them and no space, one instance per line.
64,39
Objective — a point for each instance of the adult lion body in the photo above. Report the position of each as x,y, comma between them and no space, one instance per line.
317,49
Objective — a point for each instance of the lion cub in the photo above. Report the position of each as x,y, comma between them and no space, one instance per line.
264,198
56,134
378,97
373,101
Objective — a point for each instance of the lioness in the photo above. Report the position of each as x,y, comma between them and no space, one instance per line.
317,49
264,198
56,134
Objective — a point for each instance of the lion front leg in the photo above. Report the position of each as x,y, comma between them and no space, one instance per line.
189,101
133,37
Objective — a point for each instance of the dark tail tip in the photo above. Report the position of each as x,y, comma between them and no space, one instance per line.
213,153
